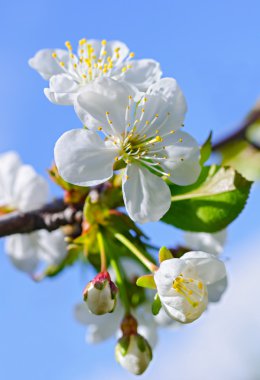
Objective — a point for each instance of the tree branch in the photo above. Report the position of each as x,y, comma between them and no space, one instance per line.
50,217
240,132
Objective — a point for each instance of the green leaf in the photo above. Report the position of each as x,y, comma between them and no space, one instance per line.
164,254
156,305
146,281
205,150
211,204
243,157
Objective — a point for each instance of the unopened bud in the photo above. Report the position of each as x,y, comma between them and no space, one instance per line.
100,294
133,353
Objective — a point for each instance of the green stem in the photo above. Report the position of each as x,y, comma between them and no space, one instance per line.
120,282
136,252
102,252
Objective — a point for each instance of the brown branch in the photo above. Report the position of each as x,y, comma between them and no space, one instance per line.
240,132
50,217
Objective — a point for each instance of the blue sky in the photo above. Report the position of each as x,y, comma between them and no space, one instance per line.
211,48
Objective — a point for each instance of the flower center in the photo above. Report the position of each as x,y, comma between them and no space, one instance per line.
89,64
192,290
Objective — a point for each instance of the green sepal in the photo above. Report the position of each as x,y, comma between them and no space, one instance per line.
141,343
146,281
123,344
164,254
156,305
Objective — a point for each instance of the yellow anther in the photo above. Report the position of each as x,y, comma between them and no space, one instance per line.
200,285
127,177
75,65
116,158
103,42
110,122
95,65
68,45
195,304
104,52
107,113
147,122
81,51
83,41
100,128
116,50
54,55
109,59
180,140
105,70
71,55
145,99
182,159
158,139
131,55
156,115
143,110
130,97
62,64
117,55
124,69
129,67
84,76
157,131
173,131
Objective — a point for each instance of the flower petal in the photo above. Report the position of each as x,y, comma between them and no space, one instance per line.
9,166
30,189
23,251
83,159
147,197
62,89
52,247
143,73
210,269
46,65
216,290
101,96
183,158
166,274
202,241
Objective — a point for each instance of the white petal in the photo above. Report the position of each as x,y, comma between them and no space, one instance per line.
147,197
202,241
216,290
143,73
82,158
210,269
9,166
101,96
123,50
23,251
62,89
52,247
166,274
183,158
99,328
30,189
45,64
170,91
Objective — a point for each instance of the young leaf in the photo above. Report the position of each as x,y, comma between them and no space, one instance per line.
210,204
146,281
164,254
156,305
205,150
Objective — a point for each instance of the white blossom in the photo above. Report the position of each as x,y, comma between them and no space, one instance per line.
182,284
70,73
22,189
143,131
207,242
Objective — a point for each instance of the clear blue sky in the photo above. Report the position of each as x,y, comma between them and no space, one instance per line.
211,48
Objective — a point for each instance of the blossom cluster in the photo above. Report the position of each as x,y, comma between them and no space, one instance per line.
129,163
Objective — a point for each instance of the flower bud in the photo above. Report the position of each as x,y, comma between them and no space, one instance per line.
133,353
100,294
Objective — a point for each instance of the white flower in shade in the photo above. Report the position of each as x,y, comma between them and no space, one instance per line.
143,134
69,73
22,189
202,241
133,353
182,284
100,294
